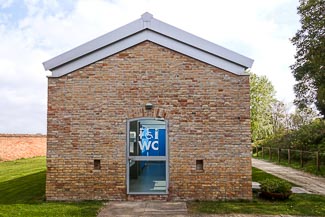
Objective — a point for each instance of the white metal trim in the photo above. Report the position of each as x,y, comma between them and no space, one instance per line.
70,60
200,43
156,38
94,44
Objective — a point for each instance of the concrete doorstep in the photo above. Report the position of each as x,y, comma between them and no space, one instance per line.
144,209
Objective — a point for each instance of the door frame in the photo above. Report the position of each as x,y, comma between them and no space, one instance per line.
145,158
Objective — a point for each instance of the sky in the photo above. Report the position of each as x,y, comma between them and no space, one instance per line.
34,31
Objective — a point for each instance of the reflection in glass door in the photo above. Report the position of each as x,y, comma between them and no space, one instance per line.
147,148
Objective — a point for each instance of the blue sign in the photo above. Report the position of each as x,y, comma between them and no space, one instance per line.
152,142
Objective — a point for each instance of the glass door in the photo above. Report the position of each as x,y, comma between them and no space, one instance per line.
147,156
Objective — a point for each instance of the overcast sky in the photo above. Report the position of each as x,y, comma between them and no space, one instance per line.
33,31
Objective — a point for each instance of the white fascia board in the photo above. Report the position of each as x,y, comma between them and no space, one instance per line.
95,44
98,55
146,22
156,38
196,53
200,43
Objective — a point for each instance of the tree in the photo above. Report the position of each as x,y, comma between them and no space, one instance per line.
261,96
280,117
302,117
309,69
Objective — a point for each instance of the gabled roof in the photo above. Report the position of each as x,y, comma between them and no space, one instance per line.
148,28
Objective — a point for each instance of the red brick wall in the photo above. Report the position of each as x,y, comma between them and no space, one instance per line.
207,109
16,146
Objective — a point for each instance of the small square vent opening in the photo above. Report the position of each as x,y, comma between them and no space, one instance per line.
199,164
97,164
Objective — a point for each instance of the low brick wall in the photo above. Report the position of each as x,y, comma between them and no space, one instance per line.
16,146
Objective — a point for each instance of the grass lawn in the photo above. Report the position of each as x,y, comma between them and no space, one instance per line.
298,204
259,175
22,190
22,193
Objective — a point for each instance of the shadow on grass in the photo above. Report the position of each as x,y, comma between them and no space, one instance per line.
28,189
25,196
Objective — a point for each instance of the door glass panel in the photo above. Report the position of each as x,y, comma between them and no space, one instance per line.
147,165
147,138
147,176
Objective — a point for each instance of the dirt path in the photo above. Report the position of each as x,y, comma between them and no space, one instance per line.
308,181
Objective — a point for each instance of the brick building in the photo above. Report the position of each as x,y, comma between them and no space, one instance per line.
148,111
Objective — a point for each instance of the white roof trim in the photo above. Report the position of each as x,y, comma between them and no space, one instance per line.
143,29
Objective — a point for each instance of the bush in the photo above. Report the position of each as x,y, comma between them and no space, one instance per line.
275,189
275,186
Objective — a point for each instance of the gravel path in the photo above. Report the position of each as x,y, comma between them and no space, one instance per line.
308,181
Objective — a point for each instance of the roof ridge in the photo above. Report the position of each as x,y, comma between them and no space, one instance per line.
146,17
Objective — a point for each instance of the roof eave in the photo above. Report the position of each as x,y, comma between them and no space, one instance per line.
95,44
